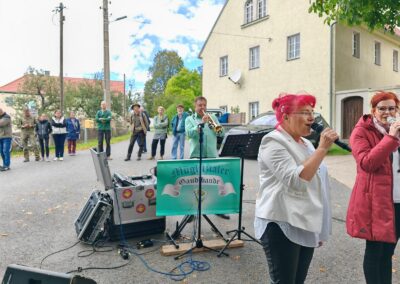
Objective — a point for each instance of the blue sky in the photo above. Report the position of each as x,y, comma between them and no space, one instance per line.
31,31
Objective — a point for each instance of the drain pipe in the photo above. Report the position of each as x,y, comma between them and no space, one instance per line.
331,76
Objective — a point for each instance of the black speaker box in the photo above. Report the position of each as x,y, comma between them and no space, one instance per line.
19,274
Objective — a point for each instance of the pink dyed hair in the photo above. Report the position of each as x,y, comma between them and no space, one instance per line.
289,103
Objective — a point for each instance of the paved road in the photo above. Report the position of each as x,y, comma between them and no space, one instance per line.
40,201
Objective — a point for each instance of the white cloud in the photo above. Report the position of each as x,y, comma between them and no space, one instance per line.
29,32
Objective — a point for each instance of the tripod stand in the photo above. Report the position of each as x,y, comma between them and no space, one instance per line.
198,240
241,145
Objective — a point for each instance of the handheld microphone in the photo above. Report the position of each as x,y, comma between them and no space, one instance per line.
319,128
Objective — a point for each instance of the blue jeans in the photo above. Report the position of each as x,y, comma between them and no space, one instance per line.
179,138
5,145
59,140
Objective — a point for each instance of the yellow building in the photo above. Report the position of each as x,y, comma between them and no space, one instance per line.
260,48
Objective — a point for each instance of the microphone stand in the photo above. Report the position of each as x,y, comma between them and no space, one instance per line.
199,241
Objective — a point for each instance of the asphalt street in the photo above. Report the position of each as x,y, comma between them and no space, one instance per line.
40,201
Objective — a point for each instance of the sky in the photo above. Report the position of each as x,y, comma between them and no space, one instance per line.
29,36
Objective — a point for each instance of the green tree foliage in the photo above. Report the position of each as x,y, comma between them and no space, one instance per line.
182,88
376,14
84,97
38,89
165,65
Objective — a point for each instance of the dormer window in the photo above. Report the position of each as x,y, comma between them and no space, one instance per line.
248,12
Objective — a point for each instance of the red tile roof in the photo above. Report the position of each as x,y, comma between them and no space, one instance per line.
14,86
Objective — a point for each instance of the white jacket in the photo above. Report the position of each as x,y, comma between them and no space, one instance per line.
283,195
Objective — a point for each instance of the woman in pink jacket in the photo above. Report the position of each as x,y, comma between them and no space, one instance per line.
374,209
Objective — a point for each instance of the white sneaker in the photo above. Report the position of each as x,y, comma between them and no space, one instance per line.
61,159
55,159
47,159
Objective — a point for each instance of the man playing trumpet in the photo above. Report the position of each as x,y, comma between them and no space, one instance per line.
211,130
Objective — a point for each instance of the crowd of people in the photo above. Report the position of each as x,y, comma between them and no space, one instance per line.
293,209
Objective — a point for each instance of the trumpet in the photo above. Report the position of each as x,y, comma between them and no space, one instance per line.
212,124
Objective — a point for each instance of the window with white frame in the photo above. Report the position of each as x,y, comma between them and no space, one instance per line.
261,8
224,108
248,12
356,44
254,57
223,66
293,47
395,60
377,59
253,110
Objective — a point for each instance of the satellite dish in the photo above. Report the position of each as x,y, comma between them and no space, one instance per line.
235,76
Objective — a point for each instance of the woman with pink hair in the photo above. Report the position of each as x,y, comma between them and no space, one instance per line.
293,214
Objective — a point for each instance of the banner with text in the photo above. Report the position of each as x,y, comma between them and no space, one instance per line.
178,186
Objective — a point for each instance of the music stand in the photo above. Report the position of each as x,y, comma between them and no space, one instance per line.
241,145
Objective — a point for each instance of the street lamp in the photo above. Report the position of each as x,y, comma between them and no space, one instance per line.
106,45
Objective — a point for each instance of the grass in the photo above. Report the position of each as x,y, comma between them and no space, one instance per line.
80,146
337,151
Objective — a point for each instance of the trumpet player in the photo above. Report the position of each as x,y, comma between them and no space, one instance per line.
211,129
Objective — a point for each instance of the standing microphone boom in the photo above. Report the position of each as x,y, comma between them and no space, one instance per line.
318,128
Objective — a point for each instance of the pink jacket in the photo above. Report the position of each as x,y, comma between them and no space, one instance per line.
370,214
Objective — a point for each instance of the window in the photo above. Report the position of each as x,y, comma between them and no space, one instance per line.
253,110
262,8
254,57
223,66
377,59
356,44
248,11
224,108
395,60
293,47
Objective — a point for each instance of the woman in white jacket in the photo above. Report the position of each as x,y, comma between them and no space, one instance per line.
59,131
293,213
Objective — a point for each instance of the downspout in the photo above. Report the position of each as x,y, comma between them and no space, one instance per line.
332,100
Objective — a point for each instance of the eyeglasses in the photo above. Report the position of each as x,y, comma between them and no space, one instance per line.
305,113
385,109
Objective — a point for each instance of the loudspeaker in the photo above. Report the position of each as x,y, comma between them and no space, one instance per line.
19,274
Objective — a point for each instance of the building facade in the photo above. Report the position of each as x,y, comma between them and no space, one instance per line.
258,49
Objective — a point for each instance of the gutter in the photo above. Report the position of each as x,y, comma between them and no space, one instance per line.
331,75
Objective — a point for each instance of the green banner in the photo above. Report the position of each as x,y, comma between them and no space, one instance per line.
178,184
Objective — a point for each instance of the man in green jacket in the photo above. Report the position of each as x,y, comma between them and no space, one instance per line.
210,135
103,120
192,127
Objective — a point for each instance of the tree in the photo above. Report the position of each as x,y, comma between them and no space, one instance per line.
182,88
376,14
165,65
38,88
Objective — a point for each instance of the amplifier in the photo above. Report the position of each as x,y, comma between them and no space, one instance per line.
134,207
90,224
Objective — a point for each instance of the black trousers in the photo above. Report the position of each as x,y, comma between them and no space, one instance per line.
104,134
44,145
139,137
378,257
154,147
288,262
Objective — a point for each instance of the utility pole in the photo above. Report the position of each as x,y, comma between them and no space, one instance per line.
124,103
106,45
60,9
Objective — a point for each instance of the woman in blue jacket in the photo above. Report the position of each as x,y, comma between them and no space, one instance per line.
73,131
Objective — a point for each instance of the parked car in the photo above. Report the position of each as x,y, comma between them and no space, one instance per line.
266,122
